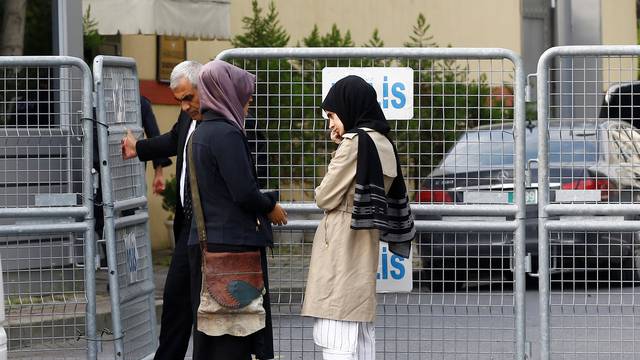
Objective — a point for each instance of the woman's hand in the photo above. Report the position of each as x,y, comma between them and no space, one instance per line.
278,215
335,137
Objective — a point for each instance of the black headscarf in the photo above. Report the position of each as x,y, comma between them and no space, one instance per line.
355,102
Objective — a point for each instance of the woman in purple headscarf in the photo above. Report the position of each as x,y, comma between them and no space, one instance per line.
232,208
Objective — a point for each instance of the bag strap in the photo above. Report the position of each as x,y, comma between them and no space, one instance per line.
195,198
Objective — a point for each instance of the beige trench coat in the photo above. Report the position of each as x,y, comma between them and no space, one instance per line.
342,274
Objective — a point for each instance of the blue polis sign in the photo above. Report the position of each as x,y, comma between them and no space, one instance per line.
394,86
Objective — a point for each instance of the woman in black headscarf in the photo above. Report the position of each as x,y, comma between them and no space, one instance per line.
364,198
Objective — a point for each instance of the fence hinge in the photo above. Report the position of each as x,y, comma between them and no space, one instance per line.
94,98
530,89
527,263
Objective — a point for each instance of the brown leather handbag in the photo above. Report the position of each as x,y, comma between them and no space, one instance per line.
232,282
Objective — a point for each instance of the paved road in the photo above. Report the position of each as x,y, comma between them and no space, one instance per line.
600,321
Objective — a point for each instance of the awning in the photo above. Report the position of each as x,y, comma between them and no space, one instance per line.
207,19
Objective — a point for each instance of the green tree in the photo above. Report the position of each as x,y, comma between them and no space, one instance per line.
333,38
375,40
261,31
451,100
420,35
91,38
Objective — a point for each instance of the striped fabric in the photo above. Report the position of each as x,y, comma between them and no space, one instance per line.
372,208
345,340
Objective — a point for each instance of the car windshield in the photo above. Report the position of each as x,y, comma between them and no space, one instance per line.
495,148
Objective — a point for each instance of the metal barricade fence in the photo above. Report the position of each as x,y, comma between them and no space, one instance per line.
589,161
3,334
46,213
466,287
128,245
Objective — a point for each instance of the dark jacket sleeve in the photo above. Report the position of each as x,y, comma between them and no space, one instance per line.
165,145
236,169
150,126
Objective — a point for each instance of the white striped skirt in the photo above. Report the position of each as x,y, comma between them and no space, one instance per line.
345,339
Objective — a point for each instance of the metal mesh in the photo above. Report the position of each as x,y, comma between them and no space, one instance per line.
463,299
44,197
128,244
450,98
139,239
475,318
593,298
40,137
45,298
593,158
122,104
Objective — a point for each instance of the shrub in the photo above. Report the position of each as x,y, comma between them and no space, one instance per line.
169,196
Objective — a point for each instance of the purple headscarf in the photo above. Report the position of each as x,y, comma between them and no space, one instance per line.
225,89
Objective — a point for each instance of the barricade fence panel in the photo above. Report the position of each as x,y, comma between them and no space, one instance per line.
41,134
128,245
457,146
122,111
454,115
46,196
3,333
45,299
589,161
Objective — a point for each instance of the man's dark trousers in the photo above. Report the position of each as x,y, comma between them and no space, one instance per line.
177,319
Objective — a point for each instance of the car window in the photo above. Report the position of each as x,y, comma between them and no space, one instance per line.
495,149
481,149
567,147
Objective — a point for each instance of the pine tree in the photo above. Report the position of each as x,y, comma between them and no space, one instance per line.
420,38
375,40
262,31
314,39
333,38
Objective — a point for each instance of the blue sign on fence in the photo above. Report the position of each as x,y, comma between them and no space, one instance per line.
394,86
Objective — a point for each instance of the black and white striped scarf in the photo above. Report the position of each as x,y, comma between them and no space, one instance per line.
372,208
355,102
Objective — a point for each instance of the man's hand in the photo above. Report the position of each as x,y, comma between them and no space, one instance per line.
158,181
128,145
278,215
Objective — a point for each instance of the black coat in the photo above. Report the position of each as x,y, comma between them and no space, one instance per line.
150,126
169,144
229,192
231,201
